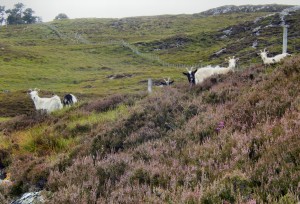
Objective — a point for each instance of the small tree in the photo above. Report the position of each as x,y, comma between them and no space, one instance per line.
28,18
61,16
18,16
15,14
2,13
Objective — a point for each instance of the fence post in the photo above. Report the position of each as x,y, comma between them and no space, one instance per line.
149,85
284,41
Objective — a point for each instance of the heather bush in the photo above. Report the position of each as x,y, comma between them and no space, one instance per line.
207,84
148,122
24,122
191,111
141,155
291,66
4,193
3,198
212,97
140,177
255,149
103,104
288,198
111,102
148,132
28,174
258,106
109,174
233,188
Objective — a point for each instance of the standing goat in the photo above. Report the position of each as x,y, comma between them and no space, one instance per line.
191,75
69,99
47,104
271,60
199,75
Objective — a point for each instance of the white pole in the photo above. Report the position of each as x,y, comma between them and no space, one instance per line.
284,41
149,85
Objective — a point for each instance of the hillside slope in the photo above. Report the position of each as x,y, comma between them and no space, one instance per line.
81,55
235,138
232,139
98,57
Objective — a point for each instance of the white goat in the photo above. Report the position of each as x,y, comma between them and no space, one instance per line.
206,72
47,104
271,60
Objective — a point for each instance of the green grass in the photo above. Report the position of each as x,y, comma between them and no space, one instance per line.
97,118
36,141
4,119
35,56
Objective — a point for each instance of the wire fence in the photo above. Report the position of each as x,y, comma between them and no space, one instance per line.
78,38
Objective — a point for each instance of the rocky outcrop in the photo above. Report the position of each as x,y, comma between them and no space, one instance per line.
245,9
30,198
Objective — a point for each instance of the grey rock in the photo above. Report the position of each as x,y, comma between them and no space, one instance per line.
30,198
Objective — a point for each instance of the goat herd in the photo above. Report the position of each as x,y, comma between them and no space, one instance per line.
199,75
194,76
50,104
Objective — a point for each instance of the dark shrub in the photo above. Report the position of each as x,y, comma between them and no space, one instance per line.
81,129
254,151
106,143
158,180
140,176
190,111
203,134
142,155
5,159
215,98
112,174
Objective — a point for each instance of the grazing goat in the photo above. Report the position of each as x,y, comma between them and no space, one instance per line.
199,75
45,104
166,82
271,60
69,100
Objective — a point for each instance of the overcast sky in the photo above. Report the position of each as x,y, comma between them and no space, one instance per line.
48,9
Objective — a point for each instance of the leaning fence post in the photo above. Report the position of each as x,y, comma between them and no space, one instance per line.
284,41
149,85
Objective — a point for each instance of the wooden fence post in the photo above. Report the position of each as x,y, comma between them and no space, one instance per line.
149,85
284,41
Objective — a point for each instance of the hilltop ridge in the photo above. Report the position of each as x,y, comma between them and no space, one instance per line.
246,9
